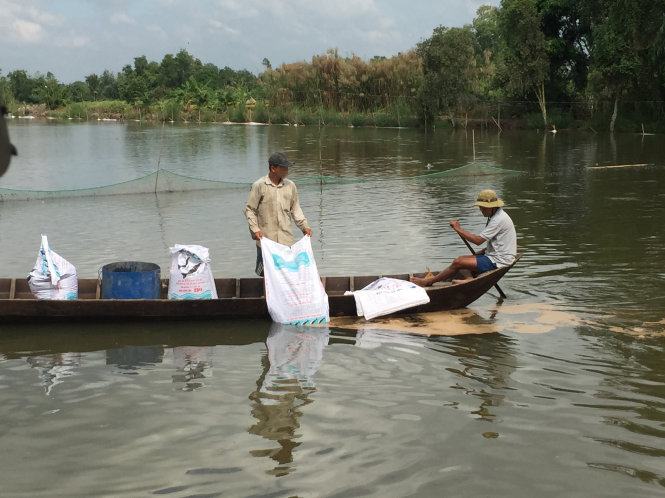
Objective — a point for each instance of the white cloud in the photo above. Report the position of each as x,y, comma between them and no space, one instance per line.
42,16
220,26
26,23
122,18
73,41
28,31
240,9
157,30
237,33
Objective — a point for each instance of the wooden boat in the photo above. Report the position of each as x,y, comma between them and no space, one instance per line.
238,298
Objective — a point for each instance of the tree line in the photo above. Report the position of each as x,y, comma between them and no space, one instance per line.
533,63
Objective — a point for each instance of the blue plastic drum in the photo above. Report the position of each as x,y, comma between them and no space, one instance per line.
131,280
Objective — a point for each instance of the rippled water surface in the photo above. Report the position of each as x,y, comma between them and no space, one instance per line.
557,391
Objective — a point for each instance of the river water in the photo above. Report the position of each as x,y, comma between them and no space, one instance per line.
557,391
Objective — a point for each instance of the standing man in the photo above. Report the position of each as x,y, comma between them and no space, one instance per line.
7,150
499,233
273,205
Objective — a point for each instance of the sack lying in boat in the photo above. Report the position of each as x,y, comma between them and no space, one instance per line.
53,277
294,292
388,295
191,277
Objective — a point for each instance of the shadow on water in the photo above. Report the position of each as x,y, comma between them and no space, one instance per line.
18,340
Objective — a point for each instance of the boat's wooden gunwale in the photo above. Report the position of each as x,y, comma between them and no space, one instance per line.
238,298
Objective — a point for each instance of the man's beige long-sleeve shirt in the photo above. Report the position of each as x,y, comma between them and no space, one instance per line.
270,209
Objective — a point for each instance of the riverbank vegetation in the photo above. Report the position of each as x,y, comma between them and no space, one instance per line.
598,64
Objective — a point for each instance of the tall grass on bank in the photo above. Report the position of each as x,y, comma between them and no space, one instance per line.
172,110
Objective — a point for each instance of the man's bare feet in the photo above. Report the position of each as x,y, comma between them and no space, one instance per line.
422,282
458,281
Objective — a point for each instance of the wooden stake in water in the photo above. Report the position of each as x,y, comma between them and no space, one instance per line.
473,141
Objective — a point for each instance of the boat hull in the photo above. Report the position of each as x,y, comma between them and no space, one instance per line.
239,298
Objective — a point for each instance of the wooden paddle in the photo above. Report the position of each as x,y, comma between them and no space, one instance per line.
496,286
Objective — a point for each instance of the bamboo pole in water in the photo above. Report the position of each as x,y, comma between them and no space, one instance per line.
617,166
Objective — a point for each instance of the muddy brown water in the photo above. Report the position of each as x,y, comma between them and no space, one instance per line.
557,391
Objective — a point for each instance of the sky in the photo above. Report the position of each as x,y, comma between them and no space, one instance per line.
74,38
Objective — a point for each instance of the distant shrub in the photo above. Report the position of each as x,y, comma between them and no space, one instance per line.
168,110
76,110
237,113
359,119
260,113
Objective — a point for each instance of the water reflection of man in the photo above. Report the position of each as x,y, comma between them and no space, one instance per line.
293,358
55,368
499,233
194,363
486,359
134,357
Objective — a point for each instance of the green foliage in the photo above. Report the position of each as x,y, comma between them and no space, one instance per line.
168,109
599,53
358,119
79,91
237,113
524,54
76,110
449,69
6,94
115,109
261,113
487,39
524,61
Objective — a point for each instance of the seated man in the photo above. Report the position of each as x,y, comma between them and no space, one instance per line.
499,233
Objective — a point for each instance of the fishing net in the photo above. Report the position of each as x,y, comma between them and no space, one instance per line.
169,181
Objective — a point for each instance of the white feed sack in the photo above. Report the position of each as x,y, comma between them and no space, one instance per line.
294,292
53,277
388,295
191,277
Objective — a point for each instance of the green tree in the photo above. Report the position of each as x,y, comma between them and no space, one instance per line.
6,95
108,85
486,30
23,86
175,70
524,59
624,41
566,25
449,71
78,91
51,92
94,84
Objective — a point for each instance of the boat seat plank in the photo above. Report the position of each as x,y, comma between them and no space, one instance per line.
226,287
251,287
336,286
400,276
363,281
5,284
87,288
23,289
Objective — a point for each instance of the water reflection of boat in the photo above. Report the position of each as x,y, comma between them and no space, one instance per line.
238,298
367,338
